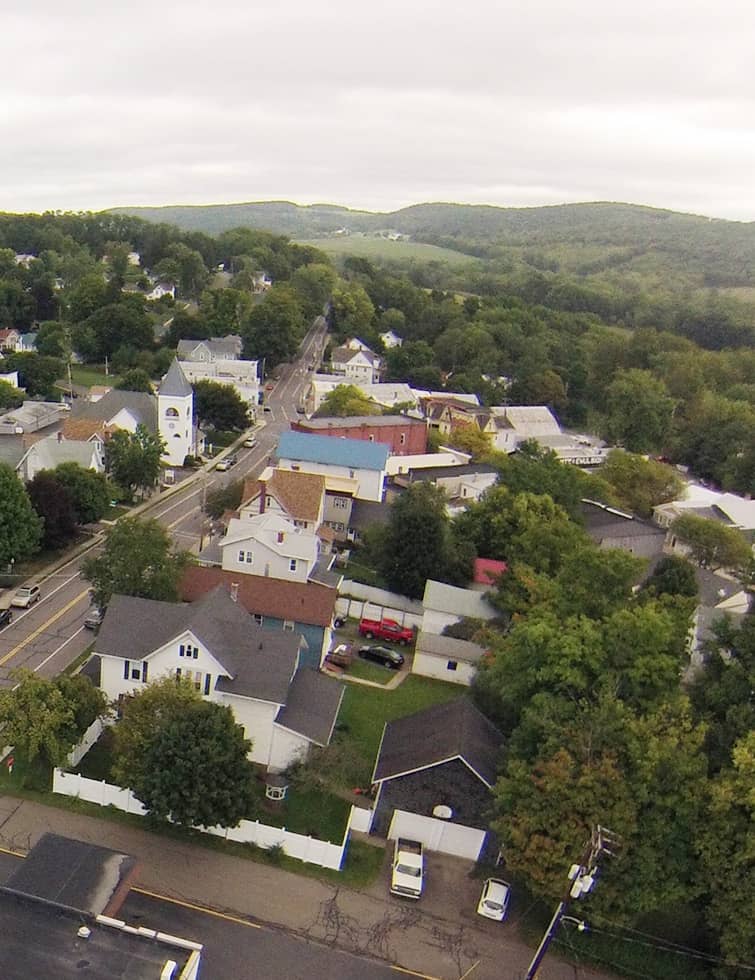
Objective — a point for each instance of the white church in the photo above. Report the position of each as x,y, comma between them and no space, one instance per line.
169,413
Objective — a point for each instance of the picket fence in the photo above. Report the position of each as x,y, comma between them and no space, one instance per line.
299,846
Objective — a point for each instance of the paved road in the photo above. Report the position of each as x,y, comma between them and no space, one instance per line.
50,635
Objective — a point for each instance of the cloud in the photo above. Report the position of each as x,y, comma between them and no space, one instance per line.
381,105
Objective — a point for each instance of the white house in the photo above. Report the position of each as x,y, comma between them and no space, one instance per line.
356,362
445,605
215,349
269,545
446,658
284,708
361,463
298,496
386,394
46,454
161,289
240,375
10,378
390,340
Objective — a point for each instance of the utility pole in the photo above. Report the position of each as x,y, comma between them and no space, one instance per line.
581,880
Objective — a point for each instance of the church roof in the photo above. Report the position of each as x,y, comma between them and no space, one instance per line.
174,384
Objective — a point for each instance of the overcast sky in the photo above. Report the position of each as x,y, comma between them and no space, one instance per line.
378,105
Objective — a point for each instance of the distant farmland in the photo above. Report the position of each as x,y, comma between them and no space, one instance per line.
384,248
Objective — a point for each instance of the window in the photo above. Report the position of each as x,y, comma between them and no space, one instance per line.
187,650
268,501
172,413
402,439
207,684
181,650
126,669
145,669
341,502
351,474
178,673
288,625
249,557
198,680
258,619
372,438
292,565
136,674
452,665
241,556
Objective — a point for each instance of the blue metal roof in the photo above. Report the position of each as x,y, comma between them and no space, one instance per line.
354,453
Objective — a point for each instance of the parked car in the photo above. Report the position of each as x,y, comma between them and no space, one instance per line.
26,596
338,622
6,617
383,656
341,656
94,619
226,463
494,900
250,442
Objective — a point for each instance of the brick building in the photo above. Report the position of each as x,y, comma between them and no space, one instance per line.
404,436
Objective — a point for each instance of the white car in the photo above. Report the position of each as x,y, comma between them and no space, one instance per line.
250,442
494,901
26,596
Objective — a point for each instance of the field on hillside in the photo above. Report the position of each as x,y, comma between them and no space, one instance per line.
384,248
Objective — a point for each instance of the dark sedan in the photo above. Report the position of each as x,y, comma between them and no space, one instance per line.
383,656
6,617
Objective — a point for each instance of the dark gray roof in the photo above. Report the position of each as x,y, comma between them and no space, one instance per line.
437,472
312,706
454,730
174,384
261,662
605,522
367,512
449,647
75,875
140,404
12,449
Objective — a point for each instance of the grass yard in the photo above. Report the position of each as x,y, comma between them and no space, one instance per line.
370,672
90,374
383,248
311,812
365,710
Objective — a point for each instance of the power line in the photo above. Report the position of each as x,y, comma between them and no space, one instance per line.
676,951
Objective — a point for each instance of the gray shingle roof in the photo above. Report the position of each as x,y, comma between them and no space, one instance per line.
312,706
458,602
174,384
140,404
261,662
449,647
441,732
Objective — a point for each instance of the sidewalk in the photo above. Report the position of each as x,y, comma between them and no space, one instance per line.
370,923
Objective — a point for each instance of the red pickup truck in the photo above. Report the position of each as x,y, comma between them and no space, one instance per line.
386,629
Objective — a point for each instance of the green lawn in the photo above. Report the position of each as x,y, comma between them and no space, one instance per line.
89,374
384,248
365,710
311,812
370,672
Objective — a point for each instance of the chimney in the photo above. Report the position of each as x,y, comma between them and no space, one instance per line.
235,591
60,437
263,494
281,536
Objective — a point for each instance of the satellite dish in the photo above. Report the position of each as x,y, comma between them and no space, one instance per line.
442,812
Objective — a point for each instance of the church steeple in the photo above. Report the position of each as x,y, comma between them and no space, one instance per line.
175,415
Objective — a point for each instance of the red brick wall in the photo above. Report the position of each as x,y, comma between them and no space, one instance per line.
413,431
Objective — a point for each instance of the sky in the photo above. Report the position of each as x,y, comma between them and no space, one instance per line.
378,105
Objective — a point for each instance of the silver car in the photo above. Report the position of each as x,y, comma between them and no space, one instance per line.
26,596
494,901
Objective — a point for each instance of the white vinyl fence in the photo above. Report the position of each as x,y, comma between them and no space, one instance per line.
359,601
298,846
88,739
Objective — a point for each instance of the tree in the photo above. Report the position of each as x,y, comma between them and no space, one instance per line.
727,847
37,374
135,380
640,484
346,400
112,326
351,310
54,505
10,397
43,718
138,560
313,284
89,295
640,410
418,543
274,327
20,526
224,498
470,439
195,770
220,406
132,459
90,492
673,575
711,544
192,271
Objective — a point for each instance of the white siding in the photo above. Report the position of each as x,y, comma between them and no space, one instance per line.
438,835
286,748
370,482
430,665
257,719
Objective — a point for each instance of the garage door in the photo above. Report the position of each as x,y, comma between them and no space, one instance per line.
438,835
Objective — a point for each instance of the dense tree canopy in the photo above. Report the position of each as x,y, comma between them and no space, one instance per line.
20,526
132,459
220,406
346,400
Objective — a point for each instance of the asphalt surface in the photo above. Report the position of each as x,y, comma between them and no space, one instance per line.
50,635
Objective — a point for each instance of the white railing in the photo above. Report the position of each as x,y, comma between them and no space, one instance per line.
299,846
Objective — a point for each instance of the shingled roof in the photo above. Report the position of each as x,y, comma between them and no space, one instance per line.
440,733
299,494
312,706
306,603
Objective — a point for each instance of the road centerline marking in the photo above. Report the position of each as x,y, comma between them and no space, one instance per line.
40,629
